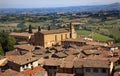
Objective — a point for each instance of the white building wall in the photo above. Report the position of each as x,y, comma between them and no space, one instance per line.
29,66
21,69
35,64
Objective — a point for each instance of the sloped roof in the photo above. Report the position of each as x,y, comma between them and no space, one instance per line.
22,59
24,34
26,47
36,70
11,72
92,63
71,51
66,64
54,31
52,62
97,63
59,55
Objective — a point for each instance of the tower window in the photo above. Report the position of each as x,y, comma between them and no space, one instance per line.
55,37
65,36
61,37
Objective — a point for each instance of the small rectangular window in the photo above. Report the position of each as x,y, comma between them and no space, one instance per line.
103,70
88,70
95,70
55,37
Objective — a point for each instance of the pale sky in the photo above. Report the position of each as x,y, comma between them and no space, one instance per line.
51,3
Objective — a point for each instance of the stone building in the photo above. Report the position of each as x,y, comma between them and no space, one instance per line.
52,65
76,42
54,37
20,37
92,68
21,63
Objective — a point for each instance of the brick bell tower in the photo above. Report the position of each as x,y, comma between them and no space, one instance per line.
73,34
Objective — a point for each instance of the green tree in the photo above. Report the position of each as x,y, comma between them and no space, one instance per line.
21,25
1,50
39,28
30,29
49,28
7,42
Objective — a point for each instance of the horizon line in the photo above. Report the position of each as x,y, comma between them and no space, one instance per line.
58,6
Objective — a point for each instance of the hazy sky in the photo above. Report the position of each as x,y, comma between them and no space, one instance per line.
50,3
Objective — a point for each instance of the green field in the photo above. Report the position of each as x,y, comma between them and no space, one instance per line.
83,32
95,36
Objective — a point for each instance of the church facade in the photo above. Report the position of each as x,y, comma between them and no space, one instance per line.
54,37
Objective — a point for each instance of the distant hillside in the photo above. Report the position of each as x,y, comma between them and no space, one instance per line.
109,7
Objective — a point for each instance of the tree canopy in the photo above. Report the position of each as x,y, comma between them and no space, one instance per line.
1,50
21,25
7,42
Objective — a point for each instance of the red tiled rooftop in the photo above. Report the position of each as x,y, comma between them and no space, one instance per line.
22,59
64,74
54,31
52,62
36,69
116,74
27,47
24,34
66,64
11,72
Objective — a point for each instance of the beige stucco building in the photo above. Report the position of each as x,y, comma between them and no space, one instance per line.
54,37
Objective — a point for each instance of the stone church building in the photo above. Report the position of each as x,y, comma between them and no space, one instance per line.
54,37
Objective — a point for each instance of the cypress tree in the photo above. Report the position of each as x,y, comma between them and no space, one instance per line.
30,29
39,28
49,28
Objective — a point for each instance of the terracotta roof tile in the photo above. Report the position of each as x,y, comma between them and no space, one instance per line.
24,34
11,72
59,55
34,70
52,62
71,51
26,47
70,58
22,59
116,74
64,74
89,52
54,31
13,52
66,64
92,63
